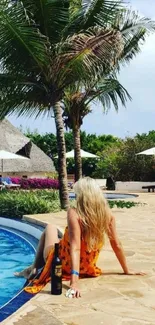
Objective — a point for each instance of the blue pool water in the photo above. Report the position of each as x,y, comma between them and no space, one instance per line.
110,196
16,253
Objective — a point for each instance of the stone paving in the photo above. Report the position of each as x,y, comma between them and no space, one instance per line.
111,299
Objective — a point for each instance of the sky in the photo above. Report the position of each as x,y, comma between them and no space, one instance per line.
138,78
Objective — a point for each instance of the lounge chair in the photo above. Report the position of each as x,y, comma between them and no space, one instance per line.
7,183
149,188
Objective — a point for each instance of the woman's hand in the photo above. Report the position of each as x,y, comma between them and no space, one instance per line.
76,290
131,272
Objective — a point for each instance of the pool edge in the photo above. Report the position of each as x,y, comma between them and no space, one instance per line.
21,297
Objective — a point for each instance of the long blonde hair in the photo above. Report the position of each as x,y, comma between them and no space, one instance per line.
93,211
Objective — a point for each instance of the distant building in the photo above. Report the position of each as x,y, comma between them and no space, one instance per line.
11,139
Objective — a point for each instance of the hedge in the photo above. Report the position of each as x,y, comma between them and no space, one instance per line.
36,183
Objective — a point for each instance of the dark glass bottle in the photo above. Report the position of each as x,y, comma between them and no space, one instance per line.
56,273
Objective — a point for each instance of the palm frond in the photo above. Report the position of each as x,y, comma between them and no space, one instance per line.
93,13
134,30
101,12
132,47
108,92
22,96
75,5
87,55
76,101
129,22
23,48
51,16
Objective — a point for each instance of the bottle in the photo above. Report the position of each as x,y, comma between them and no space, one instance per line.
56,273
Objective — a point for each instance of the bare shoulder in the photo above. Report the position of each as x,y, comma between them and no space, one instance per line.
73,222
72,215
72,212
111,221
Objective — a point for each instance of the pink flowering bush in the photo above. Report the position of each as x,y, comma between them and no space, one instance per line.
36,183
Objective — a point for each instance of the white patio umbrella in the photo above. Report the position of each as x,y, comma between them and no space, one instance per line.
9,155
148,152
84,154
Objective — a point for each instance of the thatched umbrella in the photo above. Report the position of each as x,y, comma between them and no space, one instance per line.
11,139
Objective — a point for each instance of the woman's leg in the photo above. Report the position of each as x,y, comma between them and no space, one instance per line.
48,238
51,238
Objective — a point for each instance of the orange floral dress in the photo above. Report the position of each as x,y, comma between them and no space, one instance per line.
88,261
88,258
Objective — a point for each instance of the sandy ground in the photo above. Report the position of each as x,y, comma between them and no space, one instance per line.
111,299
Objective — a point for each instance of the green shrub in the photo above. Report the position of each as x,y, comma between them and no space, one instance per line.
47,194
122,204
18,203
112,203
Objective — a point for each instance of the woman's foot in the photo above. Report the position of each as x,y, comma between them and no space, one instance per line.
27,273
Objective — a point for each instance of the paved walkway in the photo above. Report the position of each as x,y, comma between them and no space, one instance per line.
111,299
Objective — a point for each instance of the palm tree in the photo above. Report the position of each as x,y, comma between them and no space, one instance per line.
107,90
76,105
46,48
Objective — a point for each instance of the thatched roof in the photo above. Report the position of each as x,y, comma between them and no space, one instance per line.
11,139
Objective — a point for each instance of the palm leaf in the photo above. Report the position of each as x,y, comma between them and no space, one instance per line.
22,96
76,102
24,100
87,55
23,48
51,16
95,12
110,91
132,47
134,30
101,12
75,5
128,22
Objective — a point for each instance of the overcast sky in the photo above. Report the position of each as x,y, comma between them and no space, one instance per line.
138,78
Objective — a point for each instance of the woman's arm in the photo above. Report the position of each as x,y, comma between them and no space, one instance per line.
75,246
118,249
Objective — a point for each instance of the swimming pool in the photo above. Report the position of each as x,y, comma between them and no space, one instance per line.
110,196
18,242
16,253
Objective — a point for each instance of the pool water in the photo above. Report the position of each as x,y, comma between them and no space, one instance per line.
16,253
115,196
110,196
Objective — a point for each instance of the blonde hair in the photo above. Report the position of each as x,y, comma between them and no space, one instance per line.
93,211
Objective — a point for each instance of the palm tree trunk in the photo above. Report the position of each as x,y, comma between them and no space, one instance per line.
77,153
62,170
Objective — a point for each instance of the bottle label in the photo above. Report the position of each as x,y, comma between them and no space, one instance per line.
59,286
58,270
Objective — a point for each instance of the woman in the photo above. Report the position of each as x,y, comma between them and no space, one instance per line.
84,237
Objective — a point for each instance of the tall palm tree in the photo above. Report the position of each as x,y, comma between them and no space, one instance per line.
107,90
44,49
